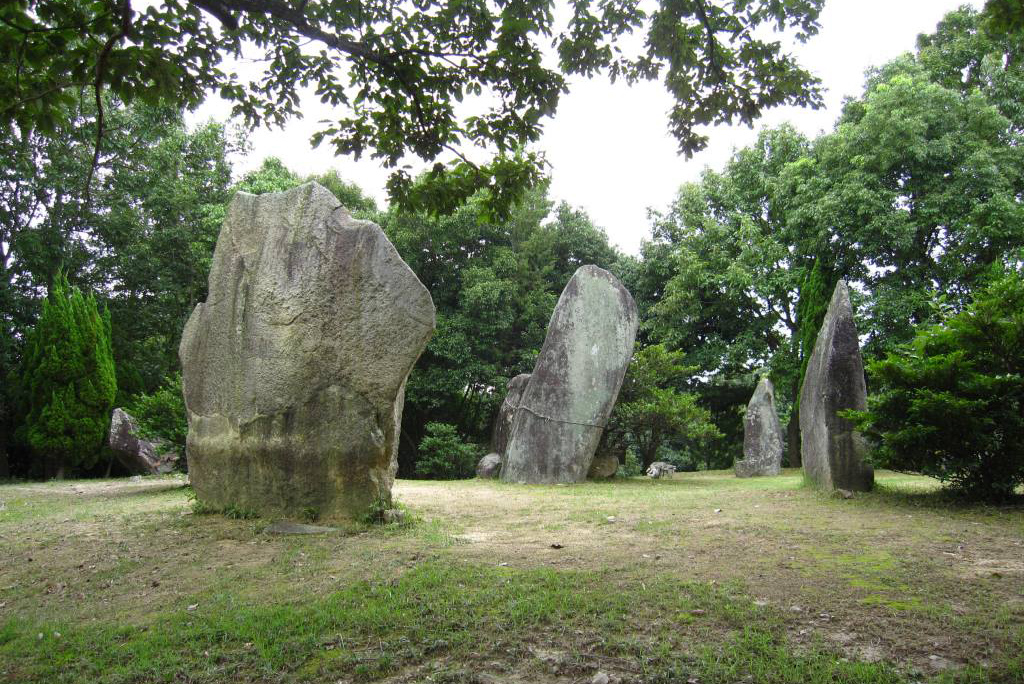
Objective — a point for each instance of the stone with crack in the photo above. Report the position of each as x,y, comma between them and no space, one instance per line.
295,366
574,384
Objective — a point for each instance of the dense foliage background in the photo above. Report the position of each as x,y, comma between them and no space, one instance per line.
914,198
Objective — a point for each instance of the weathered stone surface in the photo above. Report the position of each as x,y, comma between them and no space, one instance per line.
139,456
574,383
603,466
295,366
489,466
507,413
660,469
762,435
832,451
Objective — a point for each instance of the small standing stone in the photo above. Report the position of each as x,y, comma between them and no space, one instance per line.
507,413
762,434
833,452
139,456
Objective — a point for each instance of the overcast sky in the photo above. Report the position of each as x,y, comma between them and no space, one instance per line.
608,146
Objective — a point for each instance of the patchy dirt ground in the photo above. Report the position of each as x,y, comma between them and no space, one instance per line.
895,575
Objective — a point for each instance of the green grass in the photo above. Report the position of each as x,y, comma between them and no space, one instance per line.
701,577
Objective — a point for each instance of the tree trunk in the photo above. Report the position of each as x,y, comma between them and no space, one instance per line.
4,469
793,440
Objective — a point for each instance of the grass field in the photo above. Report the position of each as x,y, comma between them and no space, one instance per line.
701,578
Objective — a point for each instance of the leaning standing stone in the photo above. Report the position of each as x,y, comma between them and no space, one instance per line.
295,367
572,390
137,455
833,452
762,434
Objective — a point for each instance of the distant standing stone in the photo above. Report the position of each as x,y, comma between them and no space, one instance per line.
833,453
139,456
573,387
295,366
489,466
507,413
762,434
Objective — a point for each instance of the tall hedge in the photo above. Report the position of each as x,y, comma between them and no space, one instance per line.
68,381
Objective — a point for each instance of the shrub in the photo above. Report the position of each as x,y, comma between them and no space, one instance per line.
444,456
951,404
162,415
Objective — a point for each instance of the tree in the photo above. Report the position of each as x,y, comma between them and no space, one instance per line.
444,456
68,381
400,76
951,404
651,410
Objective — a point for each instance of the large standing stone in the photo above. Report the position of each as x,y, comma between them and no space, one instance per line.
572,390
139,456
295,367
762,434
832,451
507,413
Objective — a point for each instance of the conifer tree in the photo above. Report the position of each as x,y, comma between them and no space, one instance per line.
68,381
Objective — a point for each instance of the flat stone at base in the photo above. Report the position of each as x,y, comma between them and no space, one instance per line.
285,527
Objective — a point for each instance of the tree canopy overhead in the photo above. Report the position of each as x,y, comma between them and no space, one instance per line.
398,71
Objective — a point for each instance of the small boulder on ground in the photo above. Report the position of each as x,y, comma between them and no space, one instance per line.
139,456
489,466
660,469
603,466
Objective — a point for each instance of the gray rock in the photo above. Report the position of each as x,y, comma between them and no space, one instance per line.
575,382
603,466
833,453
139,456
762,435
489,466
295,366
660,469
507,413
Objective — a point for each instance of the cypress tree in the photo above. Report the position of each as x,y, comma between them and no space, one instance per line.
815,293
68,381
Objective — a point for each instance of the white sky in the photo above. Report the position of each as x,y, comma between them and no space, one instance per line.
609,147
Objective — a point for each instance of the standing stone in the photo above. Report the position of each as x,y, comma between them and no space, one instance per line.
833,452
573,387
762,434
507,413
138,456
295,367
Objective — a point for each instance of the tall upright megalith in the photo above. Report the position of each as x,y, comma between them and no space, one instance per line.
762,434
295,366
574,384
833,452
